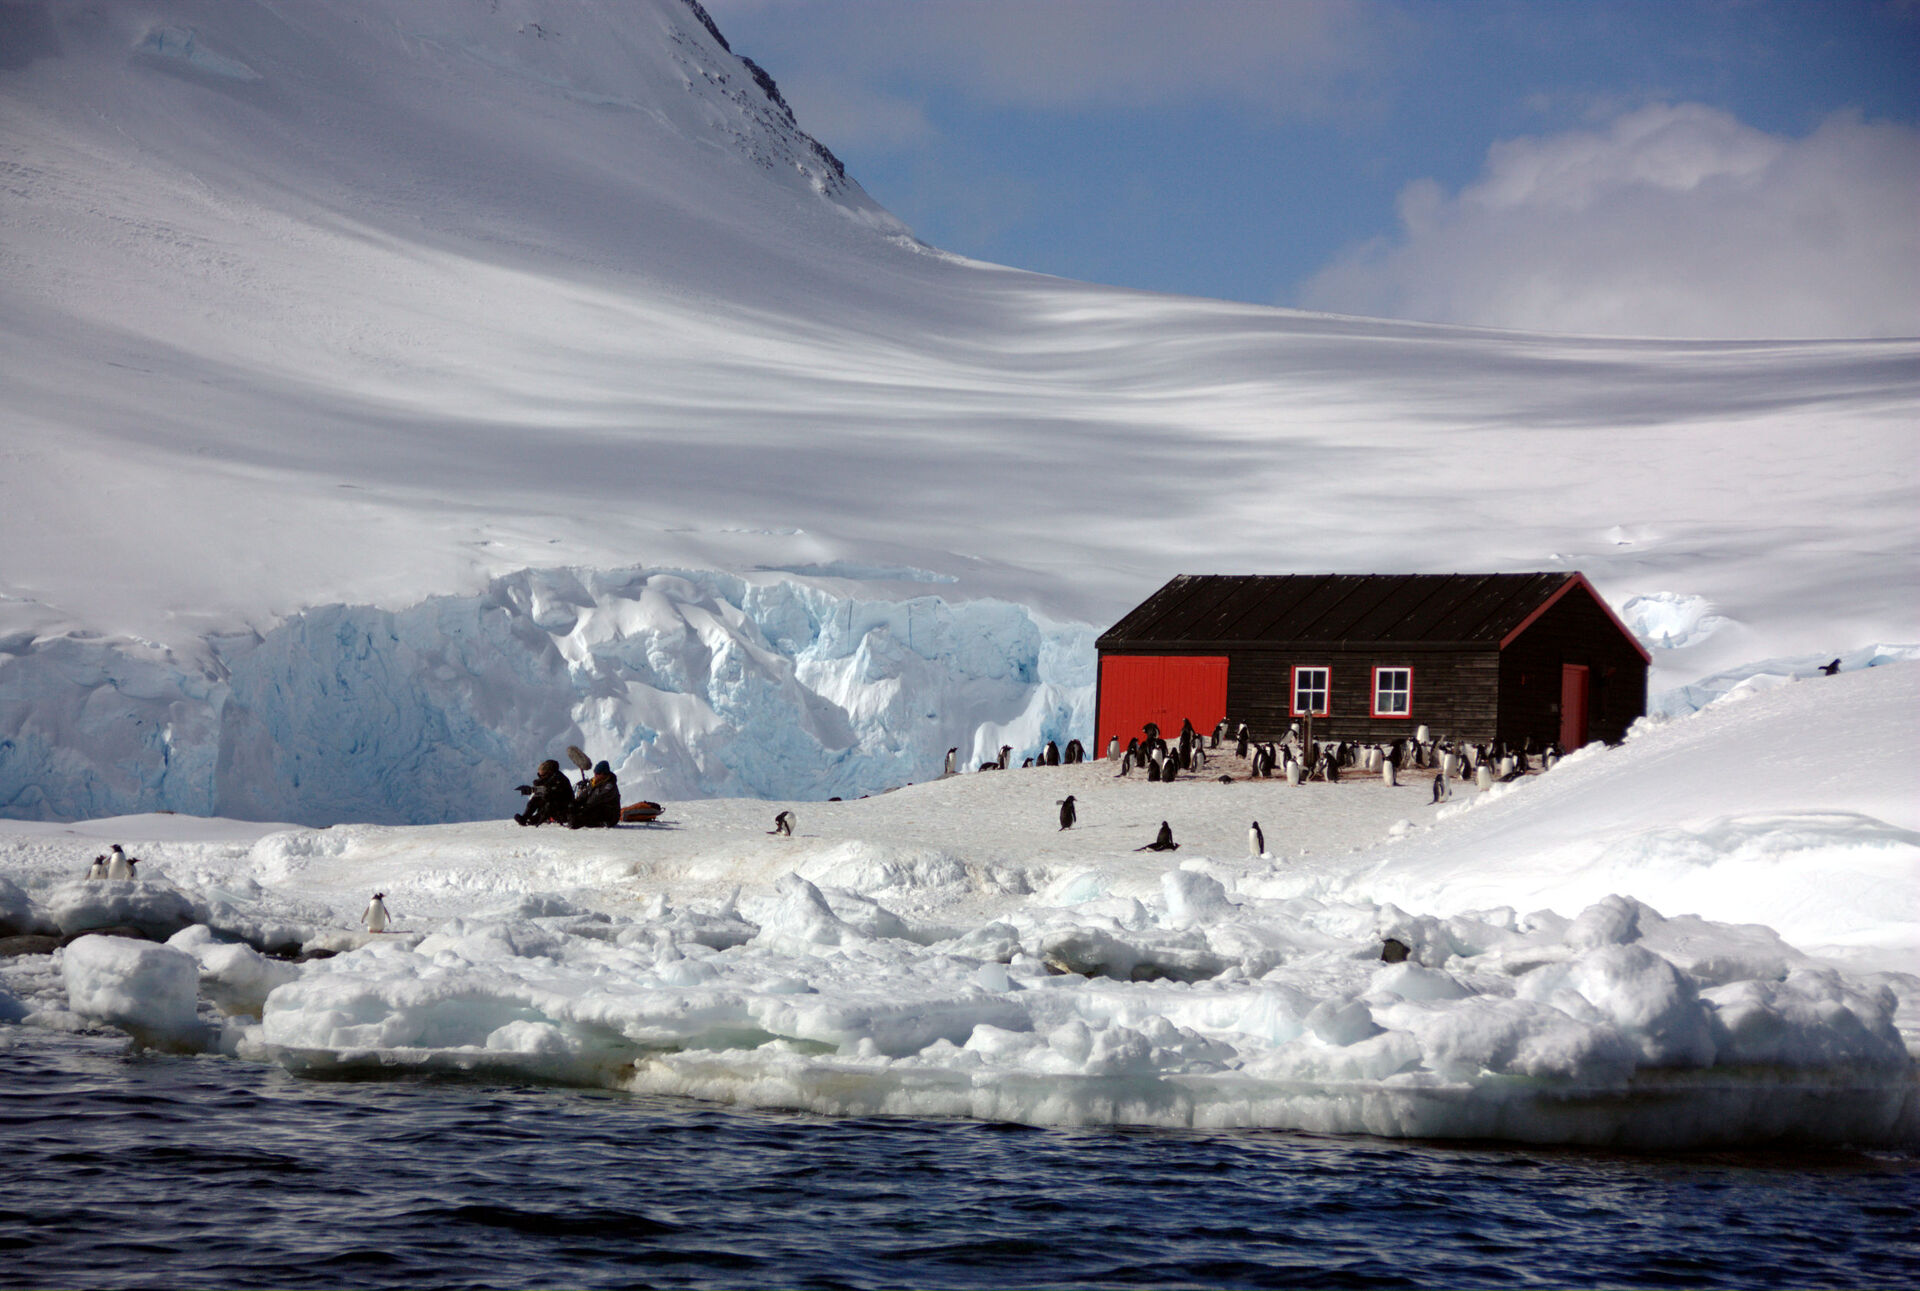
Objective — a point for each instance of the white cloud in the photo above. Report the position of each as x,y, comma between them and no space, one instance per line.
1673,221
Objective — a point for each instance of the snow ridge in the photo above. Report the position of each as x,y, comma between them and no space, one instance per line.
692,683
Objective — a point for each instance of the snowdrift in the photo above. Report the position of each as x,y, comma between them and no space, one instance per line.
947,950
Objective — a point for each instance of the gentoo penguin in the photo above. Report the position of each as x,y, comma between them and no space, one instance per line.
1256,841
1066,812
1113,747
1162,842
951,755
1052,754
1126,762
1440,787
1240,740
1005,750
1153,770
783,825
375,915
98,870
1076,753
1027,763
1830,668
118,866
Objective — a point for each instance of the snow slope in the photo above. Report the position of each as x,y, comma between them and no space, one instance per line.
308,303
947,950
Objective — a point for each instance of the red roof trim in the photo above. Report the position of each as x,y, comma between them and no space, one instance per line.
1574,580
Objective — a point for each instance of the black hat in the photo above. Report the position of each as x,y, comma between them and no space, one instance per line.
601,768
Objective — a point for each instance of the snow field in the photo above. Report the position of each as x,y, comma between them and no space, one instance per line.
946,950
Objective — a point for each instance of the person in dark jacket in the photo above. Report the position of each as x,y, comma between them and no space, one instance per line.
598,805
549,797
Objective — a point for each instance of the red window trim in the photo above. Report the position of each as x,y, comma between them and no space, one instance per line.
1293,690
1374,702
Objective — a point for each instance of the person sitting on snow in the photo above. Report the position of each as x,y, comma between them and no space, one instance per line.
549,797
598,806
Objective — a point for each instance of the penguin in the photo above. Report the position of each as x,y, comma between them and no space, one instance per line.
1005,750
1024,765
1440,787
1152,731
1240,741
1126,763
1052,754
1113,747
1219,731
1162,842
1831,669
783,825
1483,777
1198,762
1256,841
1153,771
951,755
1076,753
97,872
375,915
1067,816
118,866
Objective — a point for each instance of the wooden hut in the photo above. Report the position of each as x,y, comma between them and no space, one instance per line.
1522,658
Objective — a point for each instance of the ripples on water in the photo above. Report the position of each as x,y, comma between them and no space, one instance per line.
150,1171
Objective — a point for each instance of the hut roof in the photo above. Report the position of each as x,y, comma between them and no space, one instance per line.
1434,611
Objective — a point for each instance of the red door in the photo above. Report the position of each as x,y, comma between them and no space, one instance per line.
1163,689
1573,706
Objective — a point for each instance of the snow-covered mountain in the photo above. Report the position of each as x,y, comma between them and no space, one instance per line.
379,304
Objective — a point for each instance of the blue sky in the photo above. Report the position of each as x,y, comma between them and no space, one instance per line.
1740,167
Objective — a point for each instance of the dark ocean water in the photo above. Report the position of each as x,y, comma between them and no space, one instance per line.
127,1170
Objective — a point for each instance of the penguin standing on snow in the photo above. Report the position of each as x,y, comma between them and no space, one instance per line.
1256,841
1005,751
97,872
375,915
1067,816
119,865
1113,747
1440,793
783,825
951,755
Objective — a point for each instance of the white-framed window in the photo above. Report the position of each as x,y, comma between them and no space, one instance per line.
1312,691
1393,692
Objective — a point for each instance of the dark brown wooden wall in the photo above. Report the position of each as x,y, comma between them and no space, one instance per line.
1573,630
1453,693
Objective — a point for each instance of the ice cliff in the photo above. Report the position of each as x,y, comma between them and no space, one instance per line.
691,684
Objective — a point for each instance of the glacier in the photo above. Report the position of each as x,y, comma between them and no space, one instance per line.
692,684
